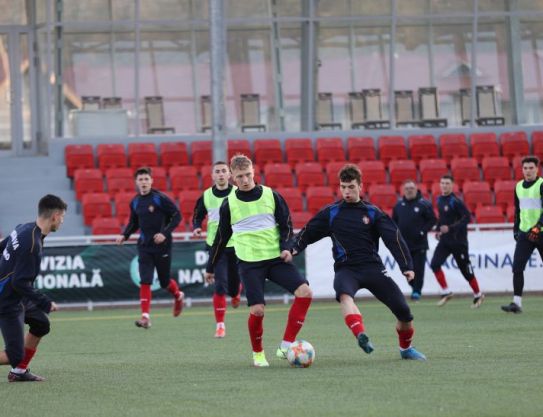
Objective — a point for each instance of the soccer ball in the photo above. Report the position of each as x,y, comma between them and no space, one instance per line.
300,354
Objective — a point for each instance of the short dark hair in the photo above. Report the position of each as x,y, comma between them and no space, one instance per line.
447,177
220,163
530,158
350,172
408,180
143,171
50,203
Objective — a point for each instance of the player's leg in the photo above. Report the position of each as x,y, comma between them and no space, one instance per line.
346,285
219,294
461,256
419,263
146,269
253,275
163,265
234,282
387,291
438,259
523,251
287,276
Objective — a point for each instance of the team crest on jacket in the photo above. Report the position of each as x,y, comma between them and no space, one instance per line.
416,209
365,219
151,208
446,208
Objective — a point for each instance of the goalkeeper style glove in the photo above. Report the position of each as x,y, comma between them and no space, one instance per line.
533,234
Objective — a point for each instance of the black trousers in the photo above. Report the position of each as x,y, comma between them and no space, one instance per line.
226,274
523,251
419,263
459,251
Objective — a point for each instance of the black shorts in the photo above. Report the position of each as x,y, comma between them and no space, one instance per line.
148,261
12,327
349,279
254,274
226,274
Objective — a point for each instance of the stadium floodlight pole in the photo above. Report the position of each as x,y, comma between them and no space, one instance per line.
217,47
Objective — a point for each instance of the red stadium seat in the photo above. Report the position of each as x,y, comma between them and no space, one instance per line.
391,147
173,154
278,175
360,149
201,152
517,168
106,226
78,157
510,213
238,146
300,218
537,144
505,193
95,205
330,150
401,170
436,192
268,150
184,178
110,156
332,171
159,178
318,197
464,169
187,201
514,144
484,144
119,180
88,181
422,147
453,145
142,155
477,193
122,206
299,150
383,196
205,173
431,170
293,197
496,168
489,214
309,174
373,172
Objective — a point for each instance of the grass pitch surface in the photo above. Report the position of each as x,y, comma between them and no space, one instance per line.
480,363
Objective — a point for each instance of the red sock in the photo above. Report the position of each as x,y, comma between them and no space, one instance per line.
29,354
173,288
219,307
296,317
440,276
355,323
145,298
474,285
255,331
405,337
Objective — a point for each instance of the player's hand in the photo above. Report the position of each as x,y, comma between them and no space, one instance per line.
533,234
286,256
54,306
294,252
197,232
444,229
410,275
120,240
209,278
159,238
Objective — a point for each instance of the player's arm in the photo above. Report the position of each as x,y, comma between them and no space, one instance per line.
315,229
429,217
173,213
463,216
224,233
282,217
394,241
132,226
3,244
516,224
200,212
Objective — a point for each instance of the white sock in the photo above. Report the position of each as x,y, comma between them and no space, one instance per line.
478,294
445,291
285,344
517,299
145,315
18,370
220,325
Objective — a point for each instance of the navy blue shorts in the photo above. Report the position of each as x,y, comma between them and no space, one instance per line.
254,274
348,280
148,261
226,274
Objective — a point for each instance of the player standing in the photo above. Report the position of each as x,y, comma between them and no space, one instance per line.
355,228
20,302
226,269
258,219
157,217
